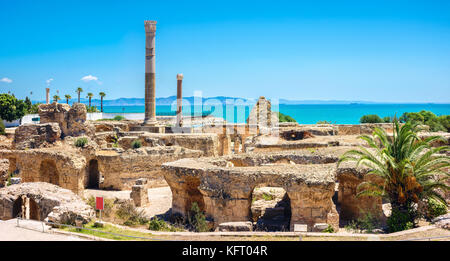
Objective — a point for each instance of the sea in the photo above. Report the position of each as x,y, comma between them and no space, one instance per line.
302,113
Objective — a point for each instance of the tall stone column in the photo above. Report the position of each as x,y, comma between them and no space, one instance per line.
47,95
179,99
150,84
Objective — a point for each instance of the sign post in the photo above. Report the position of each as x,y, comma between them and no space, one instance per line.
99,204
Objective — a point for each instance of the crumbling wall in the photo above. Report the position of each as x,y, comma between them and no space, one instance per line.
71,120
64,169
226,191
122,168
32,136
353,206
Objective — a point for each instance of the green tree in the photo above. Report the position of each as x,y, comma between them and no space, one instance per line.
371,118
102,94
11,108
411,169
68,97
79,91
285,118
56,98
28,104
90,95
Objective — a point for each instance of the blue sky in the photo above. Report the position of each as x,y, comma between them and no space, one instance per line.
385,51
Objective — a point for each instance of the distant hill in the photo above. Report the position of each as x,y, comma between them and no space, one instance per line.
159,101
222,99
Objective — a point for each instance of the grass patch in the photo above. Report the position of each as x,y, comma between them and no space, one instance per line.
111,229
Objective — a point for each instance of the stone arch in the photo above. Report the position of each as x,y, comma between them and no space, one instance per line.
48,172
270,208
193,194
93,177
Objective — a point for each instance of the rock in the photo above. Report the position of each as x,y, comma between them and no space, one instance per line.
442,221
236,226
319,227
141,181
31,136
300,228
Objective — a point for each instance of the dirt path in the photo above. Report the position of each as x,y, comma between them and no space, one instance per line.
30,231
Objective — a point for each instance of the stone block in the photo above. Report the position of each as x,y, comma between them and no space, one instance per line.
236,226
300,228
319,227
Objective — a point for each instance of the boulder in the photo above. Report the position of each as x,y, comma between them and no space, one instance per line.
236,226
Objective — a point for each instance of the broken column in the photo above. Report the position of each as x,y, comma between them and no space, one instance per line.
139,195
179,99
150,84
47,95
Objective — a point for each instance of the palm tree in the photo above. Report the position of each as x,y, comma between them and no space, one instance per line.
90,95
56,98
412,170
68,97
79,90
102,94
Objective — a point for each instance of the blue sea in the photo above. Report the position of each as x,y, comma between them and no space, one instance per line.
303,114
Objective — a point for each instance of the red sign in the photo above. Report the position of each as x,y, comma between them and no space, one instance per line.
99,203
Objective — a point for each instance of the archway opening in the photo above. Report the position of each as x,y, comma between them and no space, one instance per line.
17,207
194,195
34,210
93,175
48,172
270,209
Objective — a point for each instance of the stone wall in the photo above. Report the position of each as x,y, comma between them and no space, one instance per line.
121,169
62,168
224,192
71,120
353,206
31,136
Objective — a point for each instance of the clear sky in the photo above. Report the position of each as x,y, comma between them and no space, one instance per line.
385,51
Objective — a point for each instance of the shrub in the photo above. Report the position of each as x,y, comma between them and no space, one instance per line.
130,214
329,229
399,220
367,222
324,122
441,123
81,142
157,224
197,219
119,118
136,144
371,118
387,119
91,109
267,197
434,209
2,127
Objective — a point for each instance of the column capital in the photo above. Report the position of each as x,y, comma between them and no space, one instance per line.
180,76
150,26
